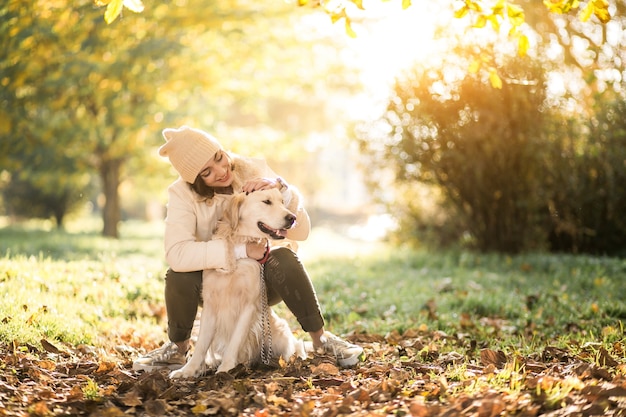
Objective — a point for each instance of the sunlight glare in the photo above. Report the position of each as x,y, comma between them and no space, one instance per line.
391,39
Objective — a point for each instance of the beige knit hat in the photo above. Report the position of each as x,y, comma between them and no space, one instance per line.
188,150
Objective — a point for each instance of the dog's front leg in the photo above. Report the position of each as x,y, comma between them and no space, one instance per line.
195,366
242,327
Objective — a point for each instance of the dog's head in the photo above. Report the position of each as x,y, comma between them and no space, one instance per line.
260,214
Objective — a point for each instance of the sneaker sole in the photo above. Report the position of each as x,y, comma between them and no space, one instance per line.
150,368
348,362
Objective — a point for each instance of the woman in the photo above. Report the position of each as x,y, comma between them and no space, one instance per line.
208,178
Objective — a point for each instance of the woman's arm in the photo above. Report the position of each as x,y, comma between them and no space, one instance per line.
184,250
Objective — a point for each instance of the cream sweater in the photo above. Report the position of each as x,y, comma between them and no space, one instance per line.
191,220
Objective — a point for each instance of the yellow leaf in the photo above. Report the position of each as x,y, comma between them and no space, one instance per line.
561,6
481,21
303,2
586,13
602,10
498,8
494,22
474,6
494,79
461,12
198,409
359,4
522,45
113,10
349,29
406,4
334,17
516,15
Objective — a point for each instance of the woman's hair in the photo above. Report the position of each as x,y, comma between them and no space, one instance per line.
203,190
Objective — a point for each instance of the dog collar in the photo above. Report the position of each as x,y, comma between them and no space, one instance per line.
266,256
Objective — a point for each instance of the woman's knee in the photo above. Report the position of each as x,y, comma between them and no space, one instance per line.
188,284
284,268
285,257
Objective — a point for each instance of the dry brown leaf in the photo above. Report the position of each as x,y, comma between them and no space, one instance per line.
325,369
417,408
105,366
110,411
40,408
490,407
76,393
155,407
492,357
605,358
46,364
49,346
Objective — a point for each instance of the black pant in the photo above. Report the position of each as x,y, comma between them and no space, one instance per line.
286,280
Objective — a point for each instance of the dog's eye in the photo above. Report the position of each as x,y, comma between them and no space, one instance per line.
268,202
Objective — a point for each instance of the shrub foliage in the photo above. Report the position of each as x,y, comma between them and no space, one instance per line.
512,173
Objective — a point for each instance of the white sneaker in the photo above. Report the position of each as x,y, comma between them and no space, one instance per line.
165,357
347,354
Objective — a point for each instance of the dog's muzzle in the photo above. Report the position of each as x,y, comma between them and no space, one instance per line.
290,220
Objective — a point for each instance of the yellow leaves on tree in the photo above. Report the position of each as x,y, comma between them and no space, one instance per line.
599,8
114,7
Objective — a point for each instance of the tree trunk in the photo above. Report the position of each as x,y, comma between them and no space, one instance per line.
111,212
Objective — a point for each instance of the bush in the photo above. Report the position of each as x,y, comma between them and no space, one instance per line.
505,172
479,145
588,182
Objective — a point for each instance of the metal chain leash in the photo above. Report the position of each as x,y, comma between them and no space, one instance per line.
266,331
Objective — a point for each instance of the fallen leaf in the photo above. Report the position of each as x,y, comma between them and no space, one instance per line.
325,369
49,346
492,357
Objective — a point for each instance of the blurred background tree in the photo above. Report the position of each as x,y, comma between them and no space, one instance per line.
83,96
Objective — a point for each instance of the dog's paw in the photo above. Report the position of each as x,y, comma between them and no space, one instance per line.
301,350
177,374
185,372
225,367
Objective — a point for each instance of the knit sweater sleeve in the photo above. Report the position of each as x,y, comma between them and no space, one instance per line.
185,251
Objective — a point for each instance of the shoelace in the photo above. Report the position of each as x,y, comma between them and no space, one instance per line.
163,354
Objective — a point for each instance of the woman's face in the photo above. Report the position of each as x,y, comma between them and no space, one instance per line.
217,172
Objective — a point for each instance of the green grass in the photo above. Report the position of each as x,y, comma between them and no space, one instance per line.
77,287
528,297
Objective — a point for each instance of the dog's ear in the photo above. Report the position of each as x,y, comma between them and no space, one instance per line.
235,205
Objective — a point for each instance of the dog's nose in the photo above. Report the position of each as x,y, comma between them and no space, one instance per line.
290,219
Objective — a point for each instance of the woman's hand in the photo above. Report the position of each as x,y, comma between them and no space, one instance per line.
256,250
260,184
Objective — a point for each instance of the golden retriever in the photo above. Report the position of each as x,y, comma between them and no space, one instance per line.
232,319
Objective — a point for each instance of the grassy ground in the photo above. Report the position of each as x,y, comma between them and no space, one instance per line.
82,291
